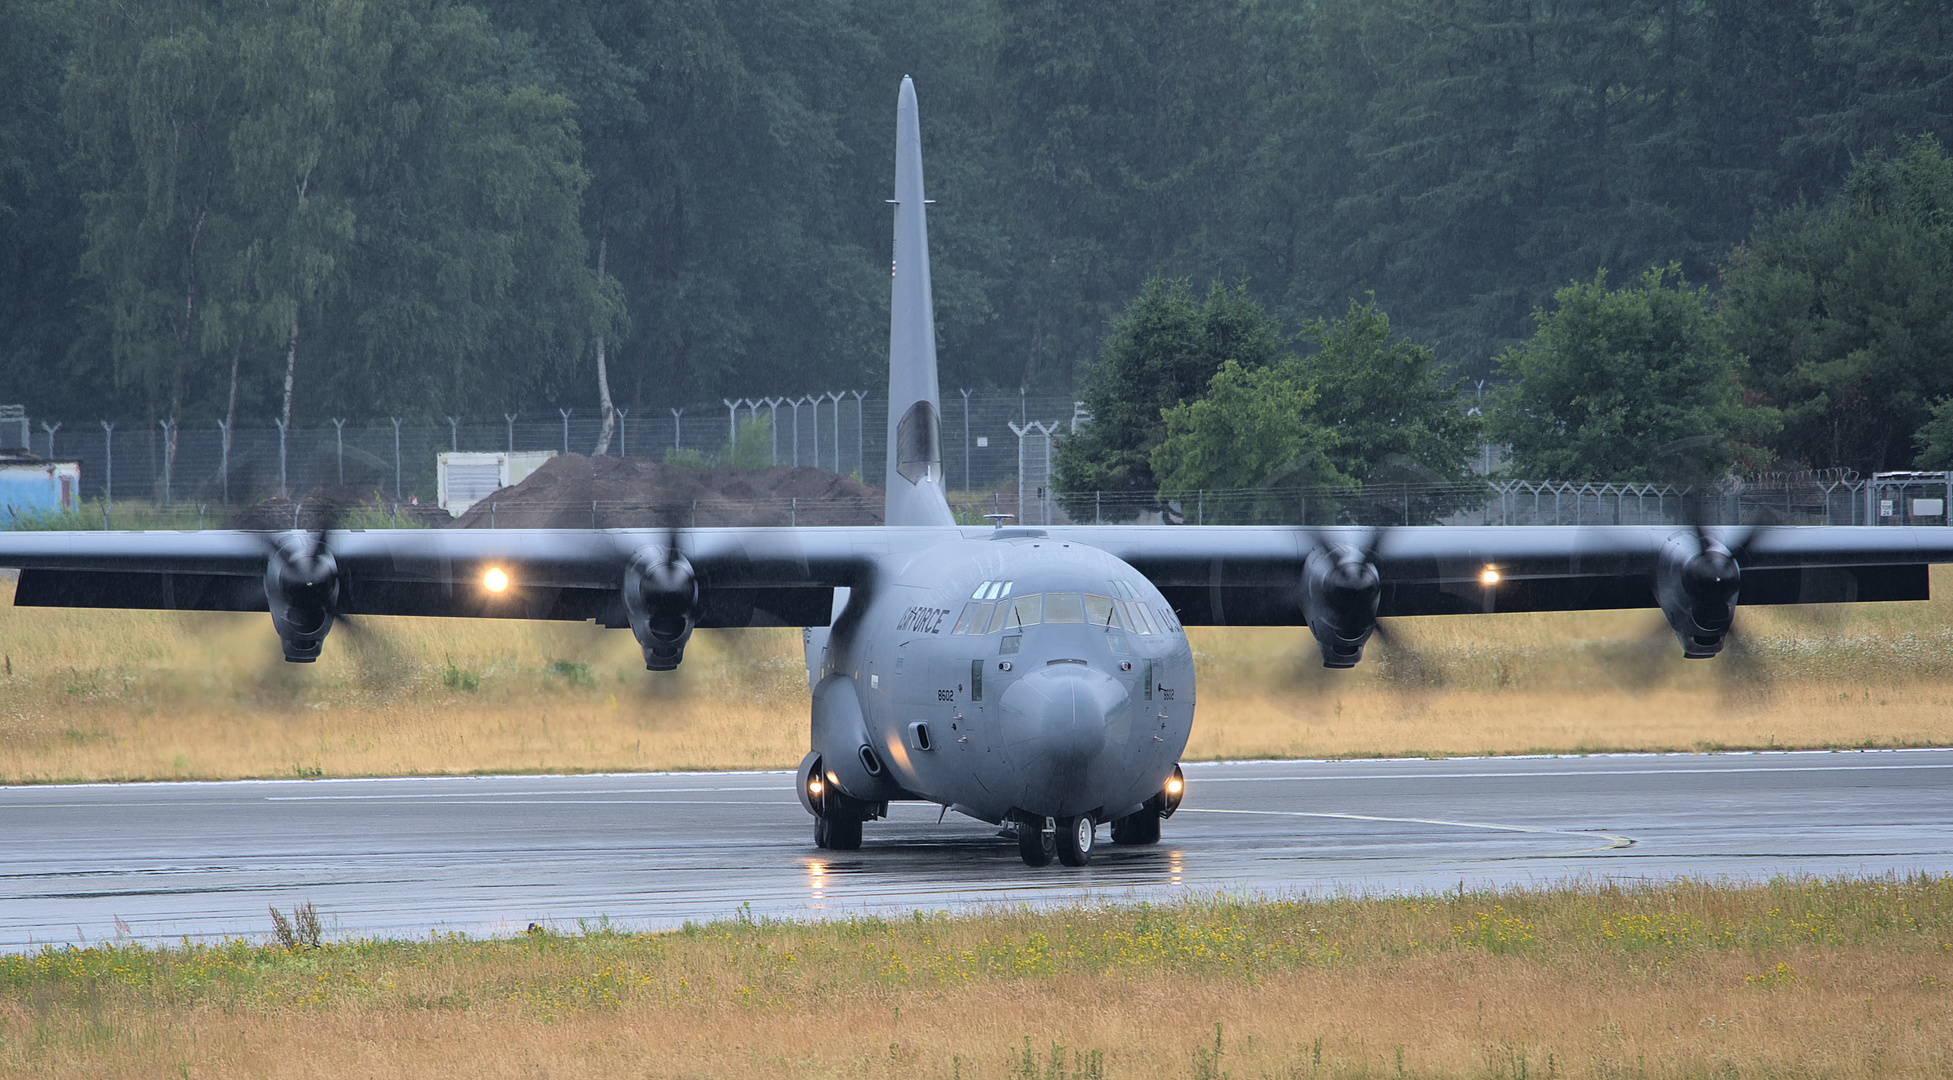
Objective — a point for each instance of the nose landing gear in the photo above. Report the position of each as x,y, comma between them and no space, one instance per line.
1075,839
1037,841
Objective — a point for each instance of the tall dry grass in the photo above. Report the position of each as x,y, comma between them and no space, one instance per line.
92,695
1842,979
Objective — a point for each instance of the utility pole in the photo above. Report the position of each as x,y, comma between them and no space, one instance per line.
396,463
966,440
339,444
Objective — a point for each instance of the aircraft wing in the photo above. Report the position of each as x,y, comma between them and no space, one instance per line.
1214,575
1251,575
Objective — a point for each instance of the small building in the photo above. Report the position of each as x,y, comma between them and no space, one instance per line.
466,477
31,486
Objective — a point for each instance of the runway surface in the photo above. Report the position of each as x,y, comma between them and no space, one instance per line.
401,858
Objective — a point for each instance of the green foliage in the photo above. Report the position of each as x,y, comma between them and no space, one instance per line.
1161,354
1630,384
1254,428
1935,438
1846,312
460,164
753,448
1398,417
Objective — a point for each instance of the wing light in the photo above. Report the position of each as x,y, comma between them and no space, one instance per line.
1488,576
496,580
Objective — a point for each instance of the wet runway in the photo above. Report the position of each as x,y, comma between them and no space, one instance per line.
491,855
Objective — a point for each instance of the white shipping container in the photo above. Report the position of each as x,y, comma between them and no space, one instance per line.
467,477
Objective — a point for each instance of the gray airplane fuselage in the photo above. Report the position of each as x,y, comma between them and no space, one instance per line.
1012,677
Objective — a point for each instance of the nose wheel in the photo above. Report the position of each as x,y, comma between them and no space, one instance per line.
1075,839
1035,843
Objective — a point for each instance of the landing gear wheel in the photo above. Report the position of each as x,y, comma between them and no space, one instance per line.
1034,844
1140,828
1076,836
837,833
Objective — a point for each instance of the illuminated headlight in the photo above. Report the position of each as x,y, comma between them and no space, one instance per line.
815,787
495,580
1174,785
1489,577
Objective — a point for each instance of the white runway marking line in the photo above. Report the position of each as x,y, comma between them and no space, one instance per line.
1614,842
467,795
1557,772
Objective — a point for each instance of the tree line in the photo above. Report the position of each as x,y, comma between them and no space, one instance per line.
214,209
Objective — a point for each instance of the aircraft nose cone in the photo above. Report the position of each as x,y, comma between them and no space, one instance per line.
1056,722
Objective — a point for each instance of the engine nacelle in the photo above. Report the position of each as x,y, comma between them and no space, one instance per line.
1697,581
1340,593
661,595
302,590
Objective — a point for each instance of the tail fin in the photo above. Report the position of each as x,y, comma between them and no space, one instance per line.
915,459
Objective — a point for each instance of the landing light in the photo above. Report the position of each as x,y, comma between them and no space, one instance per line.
1173,785
814,787
496,580
1489,577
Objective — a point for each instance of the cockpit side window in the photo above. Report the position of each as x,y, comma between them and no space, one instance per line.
1024,611
1102,611
1141,620
975,618
1125,590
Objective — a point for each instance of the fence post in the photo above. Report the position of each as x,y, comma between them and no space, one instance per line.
510,417
283,424
773,422
339,443
677,429
732,424
454,436
566,429
396,468
622,415
224,468
165,424
108,469
860,465
815,400
966,440
50,440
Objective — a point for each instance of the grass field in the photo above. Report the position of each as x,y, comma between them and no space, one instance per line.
1835,979
87,695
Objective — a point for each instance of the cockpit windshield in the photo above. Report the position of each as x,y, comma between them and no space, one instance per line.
979,617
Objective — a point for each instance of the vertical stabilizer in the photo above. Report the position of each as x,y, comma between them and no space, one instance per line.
915,458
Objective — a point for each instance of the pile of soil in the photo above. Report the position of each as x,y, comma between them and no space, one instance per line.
354,506
571,491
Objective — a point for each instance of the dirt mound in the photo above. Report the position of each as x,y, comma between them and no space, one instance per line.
345,506
575,492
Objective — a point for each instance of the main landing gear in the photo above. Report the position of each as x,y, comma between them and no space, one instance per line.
1071,839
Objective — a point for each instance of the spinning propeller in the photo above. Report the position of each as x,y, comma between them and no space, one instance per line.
661,595
302,586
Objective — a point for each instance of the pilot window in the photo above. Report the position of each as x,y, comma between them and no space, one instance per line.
1141,620
1101,611
975,618
1024,611
1125,591
1064,607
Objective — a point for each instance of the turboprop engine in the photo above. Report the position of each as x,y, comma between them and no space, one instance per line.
1340,592
1697,580
301,587
661,595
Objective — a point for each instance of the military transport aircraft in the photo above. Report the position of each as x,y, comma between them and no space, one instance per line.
1036,679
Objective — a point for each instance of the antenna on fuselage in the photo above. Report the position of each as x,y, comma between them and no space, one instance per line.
997,520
